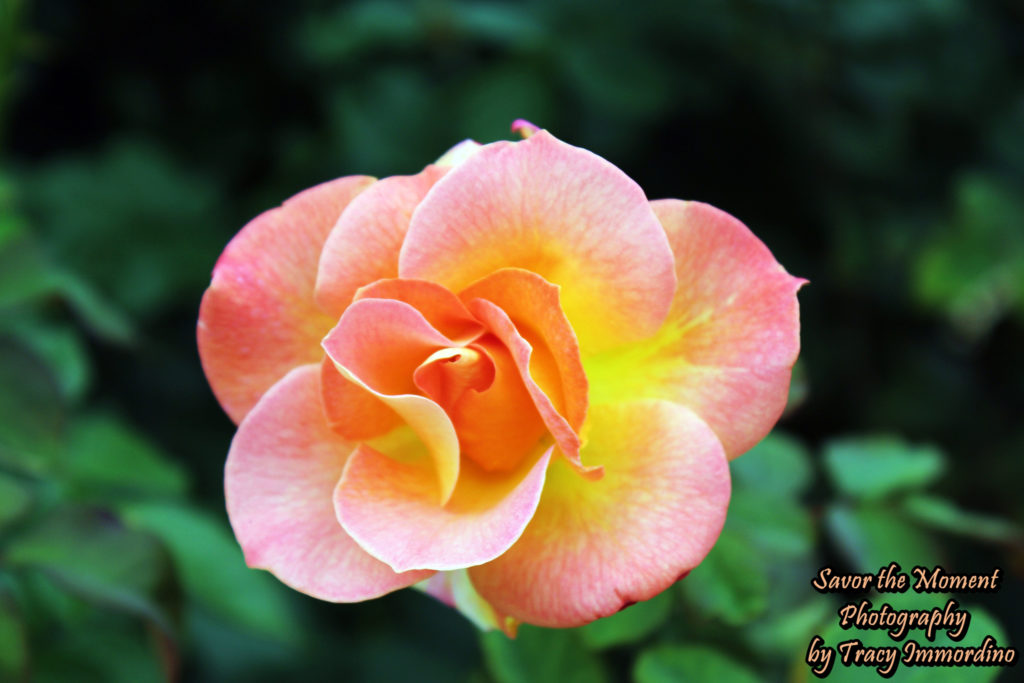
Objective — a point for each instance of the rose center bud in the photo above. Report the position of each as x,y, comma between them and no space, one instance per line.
481,390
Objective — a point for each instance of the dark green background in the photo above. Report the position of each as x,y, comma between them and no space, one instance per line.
876,146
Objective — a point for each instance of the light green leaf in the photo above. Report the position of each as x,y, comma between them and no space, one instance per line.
106,456
15,499
731,583
540,655
213,570
943,515
629,625
673,664
872,537
870,468
13,641
94,557
779,465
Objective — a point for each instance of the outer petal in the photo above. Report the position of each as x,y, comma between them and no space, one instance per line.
731,337
391,509
377,345
561,212
258,320
364,245
520,350
594,547
283,465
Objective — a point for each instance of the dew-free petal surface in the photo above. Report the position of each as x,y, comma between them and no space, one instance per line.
520,351
532,304
282,469
442,309
561,212
364,244
594,547
351,411
391,508
730,340
258,319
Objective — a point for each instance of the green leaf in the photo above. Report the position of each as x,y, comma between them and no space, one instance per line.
629,625
872,537
731,584
13,642
94,557
60,347
32,410
778,465
870,468
15,499
674,663
944,515
106,457
540,655
213,570
102,653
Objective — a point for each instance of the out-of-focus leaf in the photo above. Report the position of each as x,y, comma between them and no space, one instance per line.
105,456
102,653
778,465
539,655
61,347
96,558
784,631
213,570
13,642
872,537
944,515
764,535
26,275
15,499
731,583
630,625
130,222
674,663
973,269
32,410
870,468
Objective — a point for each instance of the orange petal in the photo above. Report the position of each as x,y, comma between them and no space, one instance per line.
594,547
258,319
281,472
556,210
532,304
364,245
442,309
520,352
377,345
729,343
498,425
351,411
391,508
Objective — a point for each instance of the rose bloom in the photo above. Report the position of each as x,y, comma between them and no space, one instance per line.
510,380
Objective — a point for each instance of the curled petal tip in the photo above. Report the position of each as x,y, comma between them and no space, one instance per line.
524,128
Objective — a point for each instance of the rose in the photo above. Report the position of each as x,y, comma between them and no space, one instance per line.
509,379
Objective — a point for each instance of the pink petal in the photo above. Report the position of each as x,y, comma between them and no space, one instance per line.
594,547
281,471
258,320
556,210
730,340
378,344
364,245
391,508
442,309
351,411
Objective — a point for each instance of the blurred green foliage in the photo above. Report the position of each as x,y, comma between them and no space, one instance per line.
876,146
